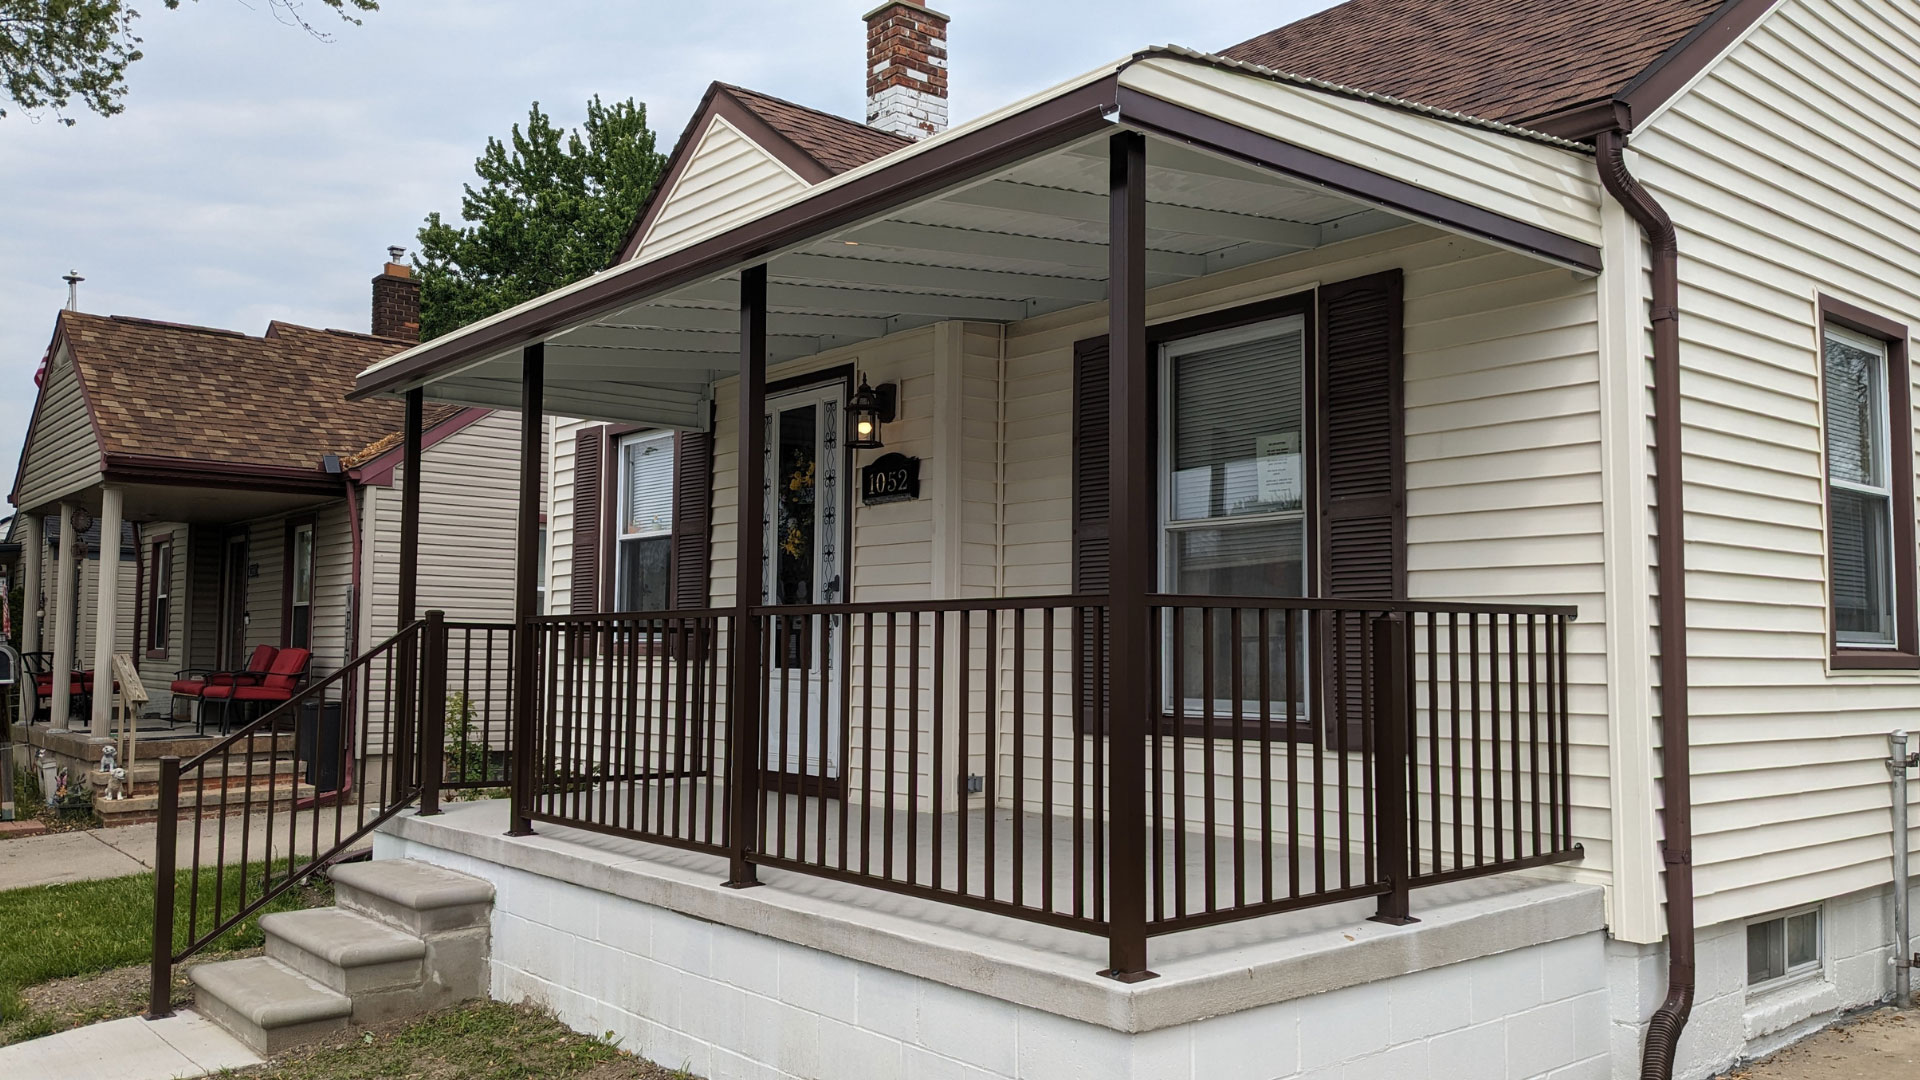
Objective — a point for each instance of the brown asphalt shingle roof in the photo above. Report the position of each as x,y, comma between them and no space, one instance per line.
199,394
837,143
1507,60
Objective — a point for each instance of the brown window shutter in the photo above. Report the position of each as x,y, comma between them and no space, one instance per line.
1091,505
589,487
1363,522
692,518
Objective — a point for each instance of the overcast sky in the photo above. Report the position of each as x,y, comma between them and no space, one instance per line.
260,174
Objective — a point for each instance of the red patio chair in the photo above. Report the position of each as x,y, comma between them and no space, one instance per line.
192,683
282,679
79,689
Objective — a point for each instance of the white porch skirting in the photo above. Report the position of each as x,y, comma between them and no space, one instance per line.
807,979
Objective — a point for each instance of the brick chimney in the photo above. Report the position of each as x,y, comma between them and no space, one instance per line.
907,69
396,300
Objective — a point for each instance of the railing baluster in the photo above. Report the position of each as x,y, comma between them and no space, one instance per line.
893,692
1019,831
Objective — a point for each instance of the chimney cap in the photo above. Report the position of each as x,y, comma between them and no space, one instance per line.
908,3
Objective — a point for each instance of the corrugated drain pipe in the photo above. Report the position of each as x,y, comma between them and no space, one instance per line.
1676,781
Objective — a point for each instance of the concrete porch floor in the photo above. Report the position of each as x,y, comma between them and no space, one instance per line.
1203,972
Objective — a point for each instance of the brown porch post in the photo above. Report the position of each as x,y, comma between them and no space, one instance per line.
526,588
405,751
410,509
1131,559
743,733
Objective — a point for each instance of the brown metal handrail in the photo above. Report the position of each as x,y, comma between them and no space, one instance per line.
367,692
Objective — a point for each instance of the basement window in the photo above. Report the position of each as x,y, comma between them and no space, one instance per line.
1783,949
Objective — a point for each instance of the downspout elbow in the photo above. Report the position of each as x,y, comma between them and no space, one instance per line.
1670,1019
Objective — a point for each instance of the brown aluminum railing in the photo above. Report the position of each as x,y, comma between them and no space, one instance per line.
1298,752
1309,752
632,726
339,758
308,781
479,712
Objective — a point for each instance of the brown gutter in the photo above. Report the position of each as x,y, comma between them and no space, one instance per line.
229,475
1676,779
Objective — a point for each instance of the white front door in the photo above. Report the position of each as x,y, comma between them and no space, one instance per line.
806,508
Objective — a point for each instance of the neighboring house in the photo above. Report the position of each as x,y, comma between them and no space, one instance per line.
258,506
1236,589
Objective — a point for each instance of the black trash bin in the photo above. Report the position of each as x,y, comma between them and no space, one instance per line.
317,739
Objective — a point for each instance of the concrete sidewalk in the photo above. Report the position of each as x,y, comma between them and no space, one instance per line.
53,858
183,1045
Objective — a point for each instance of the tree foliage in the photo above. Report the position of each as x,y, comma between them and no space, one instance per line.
54,53
552,207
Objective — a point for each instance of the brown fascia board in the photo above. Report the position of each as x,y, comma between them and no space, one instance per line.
719,101
183,472
1661,81
940,164
379,471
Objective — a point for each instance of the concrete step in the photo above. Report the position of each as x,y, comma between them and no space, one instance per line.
344,951
268,1005
421,899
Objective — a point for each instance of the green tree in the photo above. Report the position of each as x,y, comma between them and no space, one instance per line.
552,207
56,52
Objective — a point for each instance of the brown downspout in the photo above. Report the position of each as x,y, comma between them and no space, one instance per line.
1676,779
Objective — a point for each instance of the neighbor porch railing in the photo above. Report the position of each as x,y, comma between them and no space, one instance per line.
1297,752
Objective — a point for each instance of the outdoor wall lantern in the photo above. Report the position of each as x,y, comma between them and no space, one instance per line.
869,409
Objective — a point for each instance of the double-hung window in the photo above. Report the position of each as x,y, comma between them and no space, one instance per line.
160,609
1233,487
1868,424
643,532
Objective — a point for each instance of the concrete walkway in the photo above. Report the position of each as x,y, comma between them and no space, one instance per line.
54,858
184,1045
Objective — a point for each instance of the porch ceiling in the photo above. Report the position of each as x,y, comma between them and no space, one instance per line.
1025,242
1001,221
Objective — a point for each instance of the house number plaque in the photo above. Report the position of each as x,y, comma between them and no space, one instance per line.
891,478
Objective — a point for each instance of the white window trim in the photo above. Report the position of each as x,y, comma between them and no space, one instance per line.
1883,451
1169,354
1815,971
161,591
625,491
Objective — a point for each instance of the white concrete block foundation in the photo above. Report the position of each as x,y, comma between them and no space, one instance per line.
806,980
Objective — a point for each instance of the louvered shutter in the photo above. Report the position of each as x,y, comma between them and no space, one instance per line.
589,493
1362,474
692,518
1091,504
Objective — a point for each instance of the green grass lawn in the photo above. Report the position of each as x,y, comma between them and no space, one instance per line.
50,932
482,1041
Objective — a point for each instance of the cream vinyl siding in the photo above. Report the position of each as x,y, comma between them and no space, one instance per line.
1504,500
1789,174
62,455
892,553
727,178
1529,181
560,513
468,503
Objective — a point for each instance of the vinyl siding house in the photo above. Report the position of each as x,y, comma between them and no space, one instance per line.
246,489
1388,550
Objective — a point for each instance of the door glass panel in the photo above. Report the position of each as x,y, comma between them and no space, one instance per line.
796,529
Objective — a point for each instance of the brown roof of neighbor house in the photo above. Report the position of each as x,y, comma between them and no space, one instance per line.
837,143
1506,60
194,393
